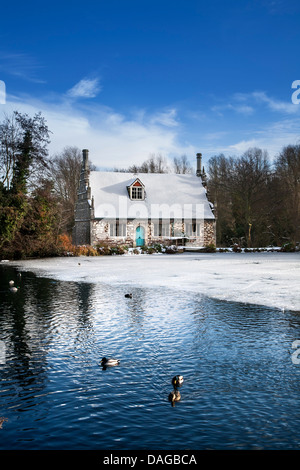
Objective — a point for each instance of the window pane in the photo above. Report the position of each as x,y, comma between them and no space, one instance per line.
190,229
117,230
136,192
112,230
165,230
122,230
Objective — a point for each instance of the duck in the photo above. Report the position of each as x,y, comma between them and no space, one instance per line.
109,361
128,296
177,380
11,283
2,420
13,289
174,396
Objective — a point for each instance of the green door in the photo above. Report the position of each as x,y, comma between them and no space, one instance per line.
140,236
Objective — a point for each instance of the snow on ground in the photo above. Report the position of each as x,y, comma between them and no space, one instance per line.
268,278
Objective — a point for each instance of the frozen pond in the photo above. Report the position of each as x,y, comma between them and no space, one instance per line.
268,278
241,384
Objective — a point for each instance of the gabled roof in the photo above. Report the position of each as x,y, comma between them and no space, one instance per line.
136,181
180,196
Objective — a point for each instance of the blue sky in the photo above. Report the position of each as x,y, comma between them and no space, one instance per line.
127,79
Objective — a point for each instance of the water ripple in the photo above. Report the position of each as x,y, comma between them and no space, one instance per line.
240,386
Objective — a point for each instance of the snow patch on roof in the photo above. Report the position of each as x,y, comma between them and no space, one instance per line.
166,193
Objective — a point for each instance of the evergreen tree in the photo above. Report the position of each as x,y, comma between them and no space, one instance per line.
29,145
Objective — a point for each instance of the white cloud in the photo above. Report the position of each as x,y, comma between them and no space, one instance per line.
166,118
113,139
21,65
117,139
238,108
276,105
272,137
247,104
85,88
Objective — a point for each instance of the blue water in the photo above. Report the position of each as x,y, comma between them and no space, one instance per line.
240,391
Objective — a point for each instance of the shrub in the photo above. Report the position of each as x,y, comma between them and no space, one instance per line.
288,247
236,248
65,245
210,248
171,249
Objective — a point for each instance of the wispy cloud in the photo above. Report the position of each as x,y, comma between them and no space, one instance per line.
166,118
276,105
236,107
21,65
249,103
85,88
271,137
113,138
116,139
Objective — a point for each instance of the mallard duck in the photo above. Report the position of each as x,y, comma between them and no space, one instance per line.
174,396
11,283
128,296
109,362
2,420
177,380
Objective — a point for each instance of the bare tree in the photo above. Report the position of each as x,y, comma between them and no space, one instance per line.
154,164
288,187
12,133
249,189
65,170
8,149
240,190
182,165
220,171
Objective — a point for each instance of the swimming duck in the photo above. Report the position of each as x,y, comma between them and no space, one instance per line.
2,420
109,362
128,296
174,396
11,283
13,289
177,380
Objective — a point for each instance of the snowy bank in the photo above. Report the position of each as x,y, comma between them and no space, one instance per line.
270,279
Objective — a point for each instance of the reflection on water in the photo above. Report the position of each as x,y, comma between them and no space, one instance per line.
240,387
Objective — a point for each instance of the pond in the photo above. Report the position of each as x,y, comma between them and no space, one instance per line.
240,390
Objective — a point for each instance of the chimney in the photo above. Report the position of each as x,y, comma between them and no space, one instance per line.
85,158
199,164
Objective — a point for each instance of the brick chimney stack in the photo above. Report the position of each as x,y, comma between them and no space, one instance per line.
85,159
199,164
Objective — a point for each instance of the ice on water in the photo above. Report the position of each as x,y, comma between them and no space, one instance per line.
267,278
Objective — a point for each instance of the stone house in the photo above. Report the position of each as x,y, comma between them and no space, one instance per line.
119,208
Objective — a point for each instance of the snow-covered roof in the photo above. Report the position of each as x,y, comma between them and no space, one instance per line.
167,195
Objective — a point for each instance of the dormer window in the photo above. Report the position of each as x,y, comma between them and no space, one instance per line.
136,190
136,193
